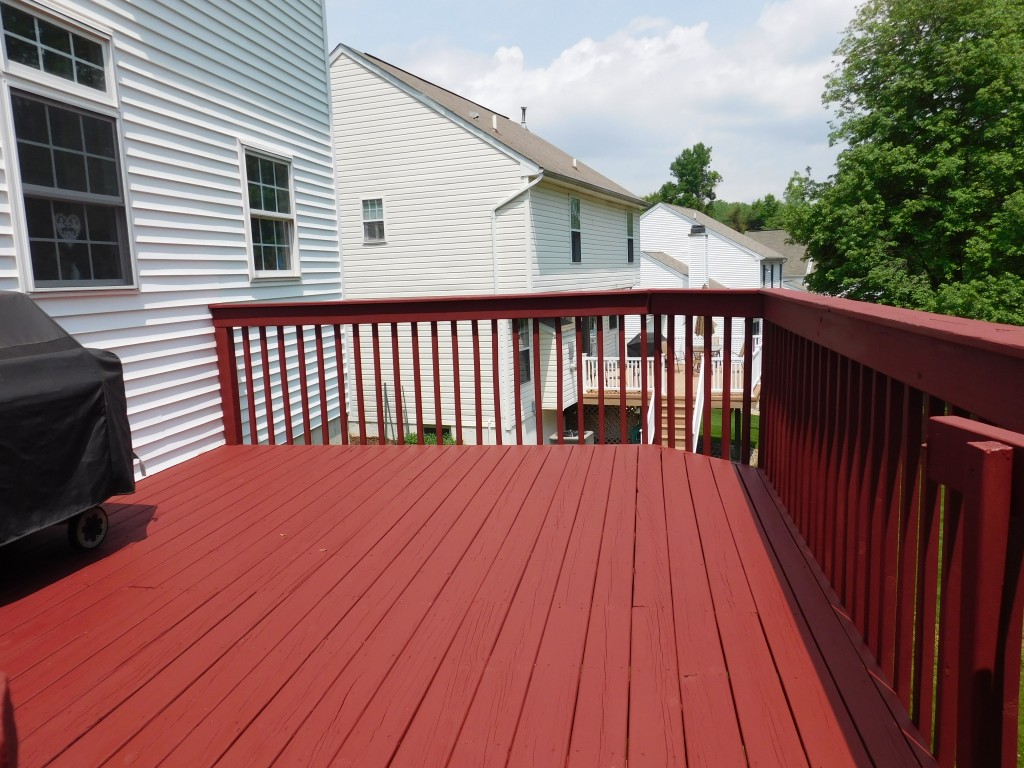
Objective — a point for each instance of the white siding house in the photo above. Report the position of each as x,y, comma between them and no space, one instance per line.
438,196
156,157
711,250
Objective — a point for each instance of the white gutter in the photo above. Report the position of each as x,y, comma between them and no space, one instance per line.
502,327
494,224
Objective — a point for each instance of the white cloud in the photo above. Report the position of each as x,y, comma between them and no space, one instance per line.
628,103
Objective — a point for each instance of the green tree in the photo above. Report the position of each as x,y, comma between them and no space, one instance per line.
926,208
695,182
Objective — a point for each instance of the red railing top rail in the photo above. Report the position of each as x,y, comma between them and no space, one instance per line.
736,303
974,365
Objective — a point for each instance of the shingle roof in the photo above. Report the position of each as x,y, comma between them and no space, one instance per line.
715,225
775,239
553,161
669,261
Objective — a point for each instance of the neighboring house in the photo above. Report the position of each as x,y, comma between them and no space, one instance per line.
439,195
711,250
796,266
658,270
157,157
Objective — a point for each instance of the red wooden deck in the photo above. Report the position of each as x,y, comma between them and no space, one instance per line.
366,606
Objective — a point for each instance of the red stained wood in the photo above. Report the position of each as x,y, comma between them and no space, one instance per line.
333,605
8,731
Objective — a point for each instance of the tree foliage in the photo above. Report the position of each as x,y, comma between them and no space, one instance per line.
695,182
764,213
926,208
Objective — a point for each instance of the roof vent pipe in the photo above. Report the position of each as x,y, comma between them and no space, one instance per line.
523,121
574,164
494,123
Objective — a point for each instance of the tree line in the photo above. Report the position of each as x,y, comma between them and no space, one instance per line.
925,209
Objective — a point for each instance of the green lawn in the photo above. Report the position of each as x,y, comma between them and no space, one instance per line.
716,427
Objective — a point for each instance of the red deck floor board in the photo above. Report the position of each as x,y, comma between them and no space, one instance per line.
519,606
710,725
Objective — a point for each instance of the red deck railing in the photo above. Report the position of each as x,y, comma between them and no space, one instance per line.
876,433
283,367
891,436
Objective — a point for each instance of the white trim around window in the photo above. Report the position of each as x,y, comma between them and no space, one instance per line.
372,215
61,71
63,134
268,199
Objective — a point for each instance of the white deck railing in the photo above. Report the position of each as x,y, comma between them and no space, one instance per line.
634,374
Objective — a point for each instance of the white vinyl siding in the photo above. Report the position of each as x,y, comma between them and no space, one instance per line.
193,80
439,183
603,230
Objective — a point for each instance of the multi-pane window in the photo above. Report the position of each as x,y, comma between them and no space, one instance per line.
40,44
771,274
523,329
629,237
373,220
271,214
574,228
74,205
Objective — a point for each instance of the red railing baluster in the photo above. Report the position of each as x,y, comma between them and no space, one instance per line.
435,358
599,320
495,375
748,386
890,501
396,370
321,375
268,392
378,384
478,384
282,362
300,347
357,380
456,372
659,438
648,437
670,384
339,362
517,382
579,381
623,422
250,387
708,366
689,437
559,382
726,387
538,398
417,381
908,640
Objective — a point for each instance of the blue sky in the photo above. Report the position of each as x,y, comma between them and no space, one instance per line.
626,87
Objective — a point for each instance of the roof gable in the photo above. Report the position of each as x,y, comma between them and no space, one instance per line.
496,129
756,249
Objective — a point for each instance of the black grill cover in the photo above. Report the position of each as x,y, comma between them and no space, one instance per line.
65,444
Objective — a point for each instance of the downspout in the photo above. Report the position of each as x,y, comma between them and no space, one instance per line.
502,327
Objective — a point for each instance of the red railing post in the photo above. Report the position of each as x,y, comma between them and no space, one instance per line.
229,401
985,465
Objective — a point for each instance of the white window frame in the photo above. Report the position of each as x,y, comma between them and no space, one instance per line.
36,83
274,154
630,240
771,273
575,231
363,221
61,87
524,328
